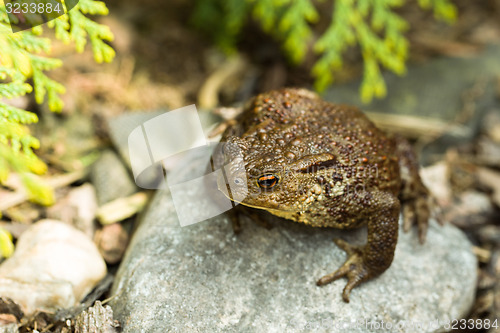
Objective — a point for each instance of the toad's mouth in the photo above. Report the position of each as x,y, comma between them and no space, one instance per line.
257,206
287,214
275,209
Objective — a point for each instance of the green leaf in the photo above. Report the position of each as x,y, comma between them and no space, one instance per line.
32,43
44,85
266,12
6,245
93,7
38,191
13,114
443,9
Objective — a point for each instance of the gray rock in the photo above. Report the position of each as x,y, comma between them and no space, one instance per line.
124,124
111,179
204,278
120,128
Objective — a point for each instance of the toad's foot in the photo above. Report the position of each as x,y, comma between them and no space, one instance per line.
366,262
416,211
354,268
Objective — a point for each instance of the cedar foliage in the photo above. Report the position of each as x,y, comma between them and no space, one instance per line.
372,25
24,61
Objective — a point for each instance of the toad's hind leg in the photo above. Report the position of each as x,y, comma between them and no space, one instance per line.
366,262
415,198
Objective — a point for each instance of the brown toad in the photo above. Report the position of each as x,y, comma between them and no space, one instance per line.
298,157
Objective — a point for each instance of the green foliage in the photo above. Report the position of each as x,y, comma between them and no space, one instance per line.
224,20
372,25
6,245
23,56
288,20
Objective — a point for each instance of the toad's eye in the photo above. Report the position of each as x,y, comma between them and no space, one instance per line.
268,181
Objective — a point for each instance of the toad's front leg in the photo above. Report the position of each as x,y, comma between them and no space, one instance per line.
366,262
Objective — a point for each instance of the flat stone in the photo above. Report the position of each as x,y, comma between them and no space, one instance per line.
203,277
53,267
122,125
111,178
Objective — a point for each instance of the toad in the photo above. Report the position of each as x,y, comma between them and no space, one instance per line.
325,165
